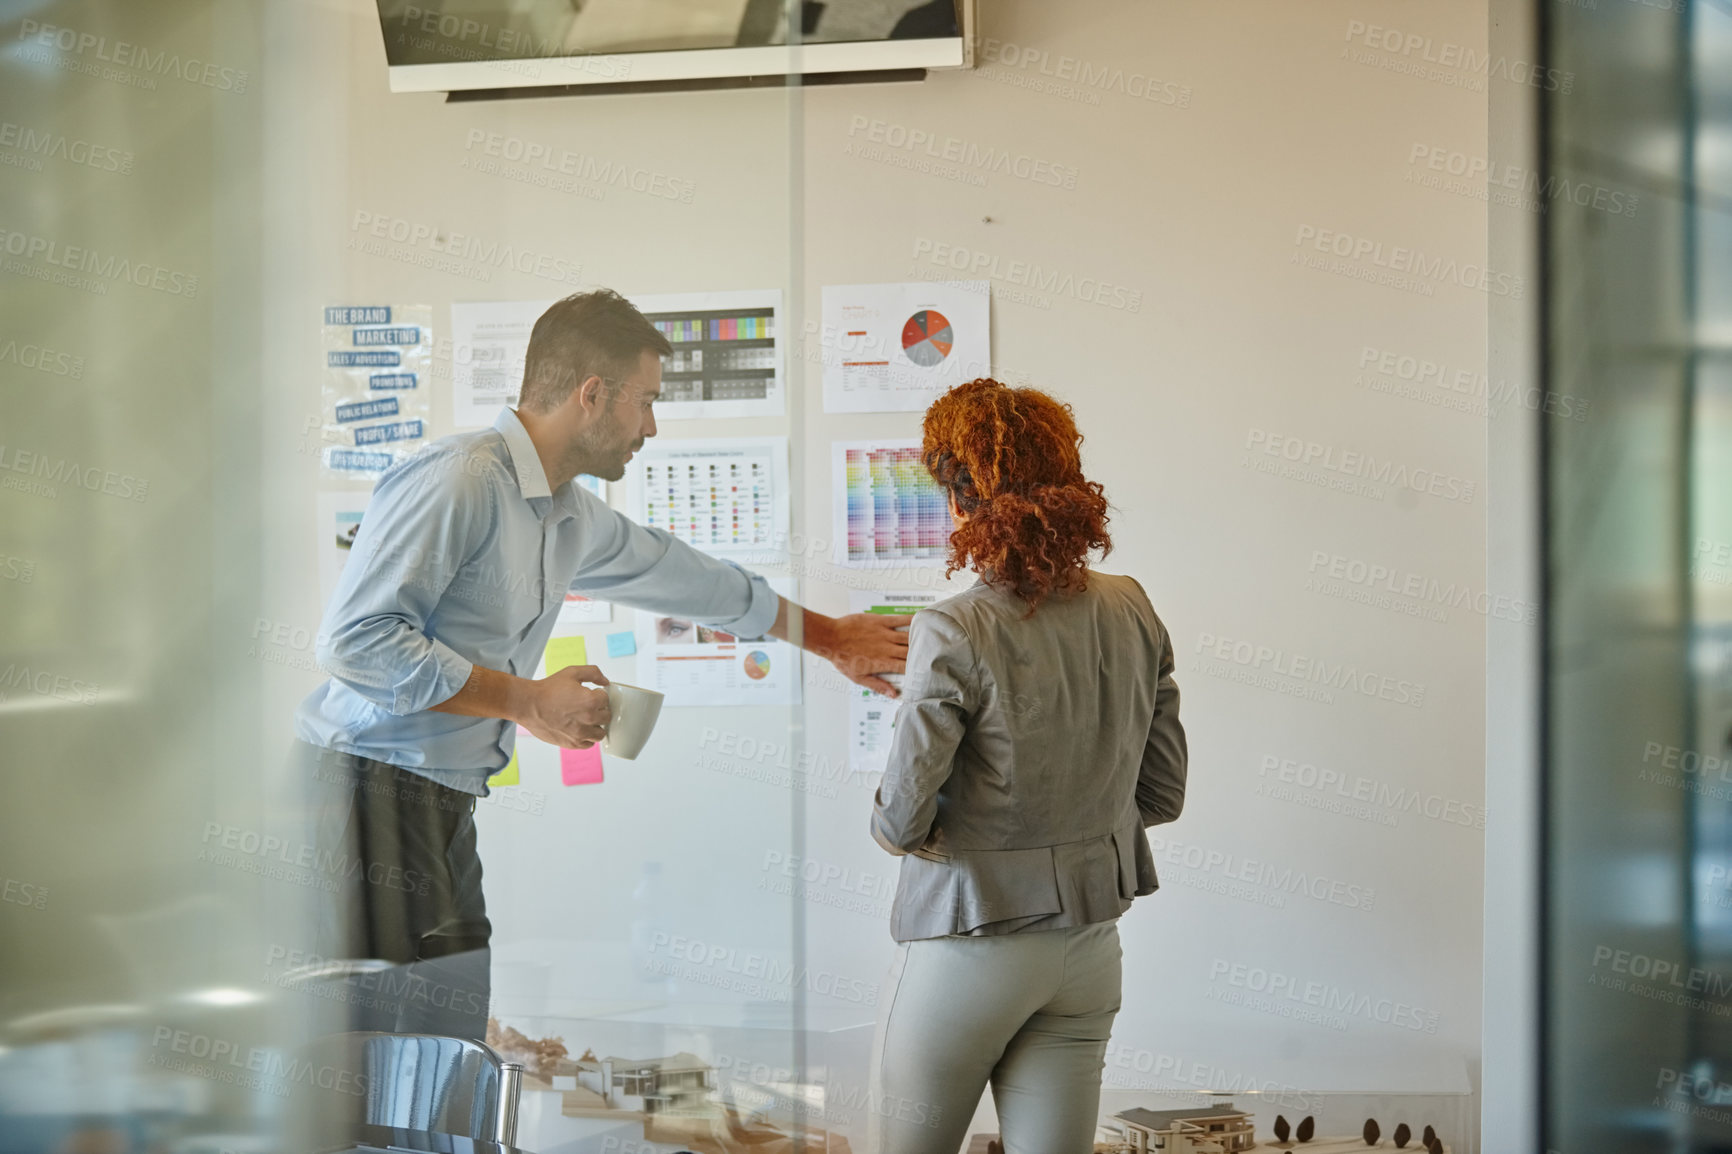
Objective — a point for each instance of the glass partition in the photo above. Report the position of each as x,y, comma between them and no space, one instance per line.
1638,973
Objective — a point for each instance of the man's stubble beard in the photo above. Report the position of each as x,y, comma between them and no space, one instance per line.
598,450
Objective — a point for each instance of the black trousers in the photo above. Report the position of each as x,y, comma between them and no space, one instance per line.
401,851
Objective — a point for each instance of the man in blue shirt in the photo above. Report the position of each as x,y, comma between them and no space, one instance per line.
437,627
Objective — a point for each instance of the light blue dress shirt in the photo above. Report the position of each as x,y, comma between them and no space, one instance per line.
463,559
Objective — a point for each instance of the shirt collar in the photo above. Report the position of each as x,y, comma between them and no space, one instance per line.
526,462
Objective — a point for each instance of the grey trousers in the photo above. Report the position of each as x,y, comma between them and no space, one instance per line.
1030,1013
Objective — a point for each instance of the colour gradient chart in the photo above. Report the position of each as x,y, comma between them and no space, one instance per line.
887,509
724,496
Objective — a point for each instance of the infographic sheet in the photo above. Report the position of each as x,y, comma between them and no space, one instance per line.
870,715
697,665
896,347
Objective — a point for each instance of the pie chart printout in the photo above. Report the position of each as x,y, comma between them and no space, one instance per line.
757,665
927,338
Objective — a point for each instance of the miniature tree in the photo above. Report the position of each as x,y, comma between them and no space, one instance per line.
1428,1137
1402,1135
1372,1132
1435,1146
1282,1129
539,1055
1307,1128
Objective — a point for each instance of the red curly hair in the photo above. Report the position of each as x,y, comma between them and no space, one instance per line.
1012,461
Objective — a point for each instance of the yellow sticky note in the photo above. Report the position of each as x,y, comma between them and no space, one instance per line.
563,651
508,775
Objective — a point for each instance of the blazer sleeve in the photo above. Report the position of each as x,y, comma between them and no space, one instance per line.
1161,777
939,694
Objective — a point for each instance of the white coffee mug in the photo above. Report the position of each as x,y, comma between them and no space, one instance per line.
634,713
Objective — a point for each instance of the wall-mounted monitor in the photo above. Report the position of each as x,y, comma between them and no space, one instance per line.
463,45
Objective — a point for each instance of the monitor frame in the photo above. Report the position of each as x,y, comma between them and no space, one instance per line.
602,69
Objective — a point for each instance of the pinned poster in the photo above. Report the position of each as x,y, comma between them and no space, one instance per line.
377,362
726,359
510,775
727,353
896,347
870,715
489,340
728,496
564,651
699,665
580,766
886,510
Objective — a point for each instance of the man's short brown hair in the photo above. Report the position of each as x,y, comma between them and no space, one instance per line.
593,334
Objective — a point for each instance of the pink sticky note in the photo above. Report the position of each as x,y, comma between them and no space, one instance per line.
580,766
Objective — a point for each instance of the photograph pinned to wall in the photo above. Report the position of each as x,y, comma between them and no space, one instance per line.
339,520
870,714
896,347
375,410
726,359
886,510
725,495
699,665
727,353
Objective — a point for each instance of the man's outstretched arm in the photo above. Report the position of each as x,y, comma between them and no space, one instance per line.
652,570
861,645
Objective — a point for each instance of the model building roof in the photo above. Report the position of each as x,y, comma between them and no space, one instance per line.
673,1063
1163,1119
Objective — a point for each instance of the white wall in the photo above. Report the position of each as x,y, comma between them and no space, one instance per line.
1282,127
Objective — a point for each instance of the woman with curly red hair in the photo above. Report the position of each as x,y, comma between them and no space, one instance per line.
1037,737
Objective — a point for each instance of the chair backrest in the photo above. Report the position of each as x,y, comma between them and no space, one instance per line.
409,1081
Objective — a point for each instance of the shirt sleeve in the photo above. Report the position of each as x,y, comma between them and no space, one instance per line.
426,518
653,570
939,695
1161,777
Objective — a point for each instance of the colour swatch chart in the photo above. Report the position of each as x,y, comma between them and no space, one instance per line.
870,716
698,665
724,496
726,359
886,508
896,347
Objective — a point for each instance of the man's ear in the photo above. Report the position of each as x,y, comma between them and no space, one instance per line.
591,394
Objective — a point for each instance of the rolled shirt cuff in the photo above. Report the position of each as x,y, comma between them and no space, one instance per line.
435,678
759,616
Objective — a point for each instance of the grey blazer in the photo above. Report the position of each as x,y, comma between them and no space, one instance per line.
1028,756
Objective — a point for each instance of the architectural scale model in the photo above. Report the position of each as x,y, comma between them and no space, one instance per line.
674,1100
1218,1129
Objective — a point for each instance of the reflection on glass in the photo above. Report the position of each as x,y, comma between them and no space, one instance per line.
1639,935
448,31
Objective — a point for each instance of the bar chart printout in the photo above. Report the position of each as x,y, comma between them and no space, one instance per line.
887,509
